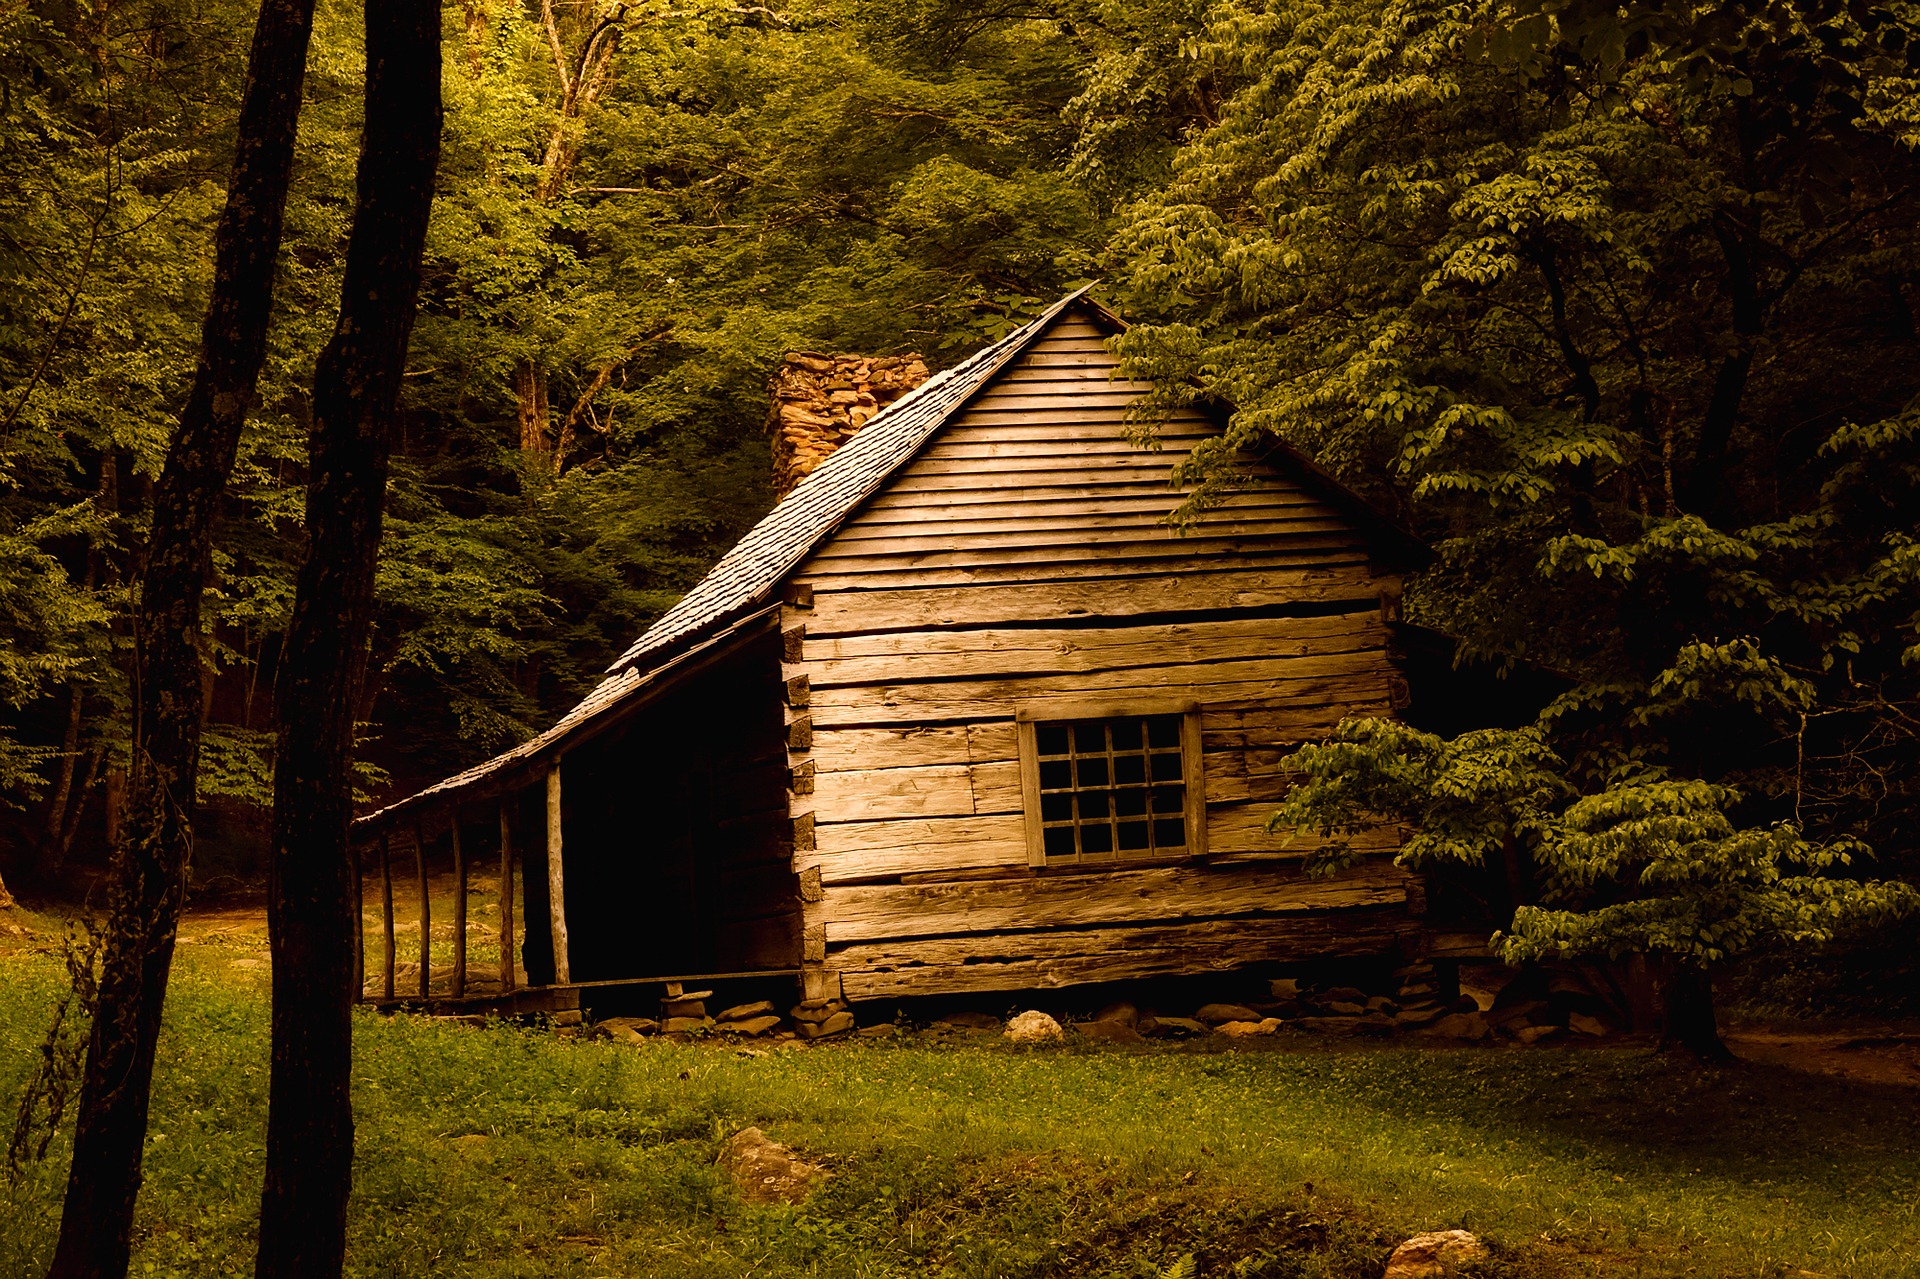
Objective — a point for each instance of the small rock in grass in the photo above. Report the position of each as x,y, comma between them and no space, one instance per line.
1582,1024
1438,1255
1113,1032
766,1171
747,1012
1034,1027
1215,1014
1123,1014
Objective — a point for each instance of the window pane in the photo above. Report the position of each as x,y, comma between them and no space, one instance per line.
1169,833
1093,772
1133,836
1052,739
1096,839
1164,730
1129,770
1168,799
1092,804
1130,803
1056,774
1090,735
1059,841
1126,734
1056,808
1166,768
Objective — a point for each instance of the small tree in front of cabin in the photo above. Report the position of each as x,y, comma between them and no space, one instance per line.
1649,864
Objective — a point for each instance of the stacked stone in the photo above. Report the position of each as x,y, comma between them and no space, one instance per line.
822,1018
821,401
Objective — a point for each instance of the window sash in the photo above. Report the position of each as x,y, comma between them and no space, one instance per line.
1086,803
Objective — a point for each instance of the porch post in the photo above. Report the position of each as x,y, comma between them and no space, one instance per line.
556,889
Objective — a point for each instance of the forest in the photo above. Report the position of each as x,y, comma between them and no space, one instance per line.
1613,306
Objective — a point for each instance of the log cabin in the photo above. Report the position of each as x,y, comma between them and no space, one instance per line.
966,711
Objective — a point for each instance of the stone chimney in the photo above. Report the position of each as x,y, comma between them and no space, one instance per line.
820,401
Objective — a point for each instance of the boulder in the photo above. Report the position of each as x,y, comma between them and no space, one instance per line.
1125,1014
765,1171
1437,1255
1113,1032
1215,1014
1034,1027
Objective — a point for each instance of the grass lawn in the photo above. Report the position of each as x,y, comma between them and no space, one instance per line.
503,1151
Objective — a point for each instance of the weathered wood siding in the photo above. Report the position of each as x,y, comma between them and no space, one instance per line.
1024,560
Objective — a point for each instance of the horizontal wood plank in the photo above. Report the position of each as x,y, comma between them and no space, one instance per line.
866,913
842,611
1049,960
853,851
894,658
935,790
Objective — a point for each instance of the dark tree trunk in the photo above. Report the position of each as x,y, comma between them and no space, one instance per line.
303,1204
1687,1021
148,879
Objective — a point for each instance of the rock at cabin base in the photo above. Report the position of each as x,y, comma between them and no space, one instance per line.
1157,1026
1248,1029
685,1025
766,1171
1582,1024
1534,1034
1113,1032
750,1025
838,1024
1470,1026
1437,1255
1345,1008
1034,1027
1215,1014
970,1021
1123,1014
747,1012
1284,988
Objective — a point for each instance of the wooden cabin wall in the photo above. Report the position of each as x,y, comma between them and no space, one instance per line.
1023,561
678,848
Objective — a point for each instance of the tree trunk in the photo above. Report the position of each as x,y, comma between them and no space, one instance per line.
148,878
1687,1021
309,1165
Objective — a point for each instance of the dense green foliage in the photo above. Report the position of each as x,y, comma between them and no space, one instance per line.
503,1151
1616,305
626,239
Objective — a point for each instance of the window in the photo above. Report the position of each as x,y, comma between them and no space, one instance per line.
1112,787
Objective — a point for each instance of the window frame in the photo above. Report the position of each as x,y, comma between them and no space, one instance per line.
1027,720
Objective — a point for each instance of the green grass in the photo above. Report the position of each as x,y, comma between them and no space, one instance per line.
505,1152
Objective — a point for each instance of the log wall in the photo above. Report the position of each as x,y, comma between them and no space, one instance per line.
1023,562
